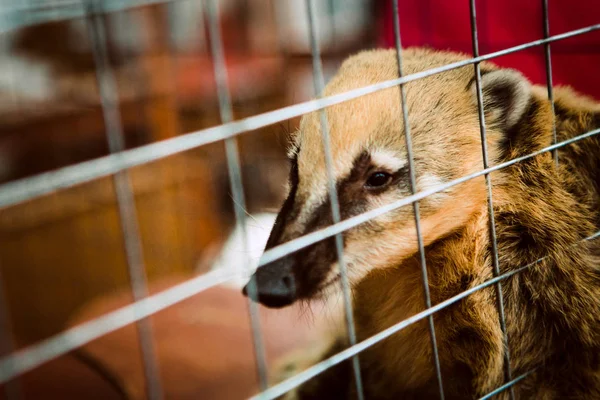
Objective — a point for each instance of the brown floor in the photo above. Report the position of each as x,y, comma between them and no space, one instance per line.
65,378
203,345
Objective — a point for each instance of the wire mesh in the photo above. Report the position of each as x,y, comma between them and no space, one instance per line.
120,160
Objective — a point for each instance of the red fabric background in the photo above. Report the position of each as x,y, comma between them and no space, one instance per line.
445,24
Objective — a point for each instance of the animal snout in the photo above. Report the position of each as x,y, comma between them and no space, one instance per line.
275,285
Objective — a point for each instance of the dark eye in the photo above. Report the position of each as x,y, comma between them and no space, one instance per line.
378,180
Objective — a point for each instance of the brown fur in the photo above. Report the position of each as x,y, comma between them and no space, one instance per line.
552,308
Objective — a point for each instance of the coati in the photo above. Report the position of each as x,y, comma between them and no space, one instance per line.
542,210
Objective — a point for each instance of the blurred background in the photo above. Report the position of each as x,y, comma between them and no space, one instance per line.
62,258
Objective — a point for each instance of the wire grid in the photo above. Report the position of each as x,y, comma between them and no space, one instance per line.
120,160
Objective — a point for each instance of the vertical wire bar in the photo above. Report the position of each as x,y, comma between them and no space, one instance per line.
12,388
416,210
235,177
333,197
107,88
488,182
549,83
331,9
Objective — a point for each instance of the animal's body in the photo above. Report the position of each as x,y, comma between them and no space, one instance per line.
542,211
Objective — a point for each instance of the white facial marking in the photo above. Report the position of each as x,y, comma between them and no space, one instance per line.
387,159
316,198
428,182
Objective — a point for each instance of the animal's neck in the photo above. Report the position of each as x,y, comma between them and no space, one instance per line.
385,298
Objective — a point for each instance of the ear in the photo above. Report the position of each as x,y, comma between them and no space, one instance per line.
506,96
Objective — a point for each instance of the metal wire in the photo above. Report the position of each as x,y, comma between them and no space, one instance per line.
488,183
125,198
333,196
21,15
416,211
548,60
33,356
12,389
508,385
235,178
28,358
28,188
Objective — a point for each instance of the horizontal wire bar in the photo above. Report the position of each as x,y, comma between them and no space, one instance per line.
296,380
33,356
70,339
22,16
28,188
506,386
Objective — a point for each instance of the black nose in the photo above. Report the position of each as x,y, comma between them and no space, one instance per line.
273,288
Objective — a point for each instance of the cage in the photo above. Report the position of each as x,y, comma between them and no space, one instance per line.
142,156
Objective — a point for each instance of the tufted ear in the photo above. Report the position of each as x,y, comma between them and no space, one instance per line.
506,96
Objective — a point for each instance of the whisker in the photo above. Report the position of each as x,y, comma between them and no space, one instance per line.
270,210
306,311
245,211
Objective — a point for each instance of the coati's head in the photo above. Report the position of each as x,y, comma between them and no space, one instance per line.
371,167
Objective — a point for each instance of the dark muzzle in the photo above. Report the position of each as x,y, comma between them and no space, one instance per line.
273,285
